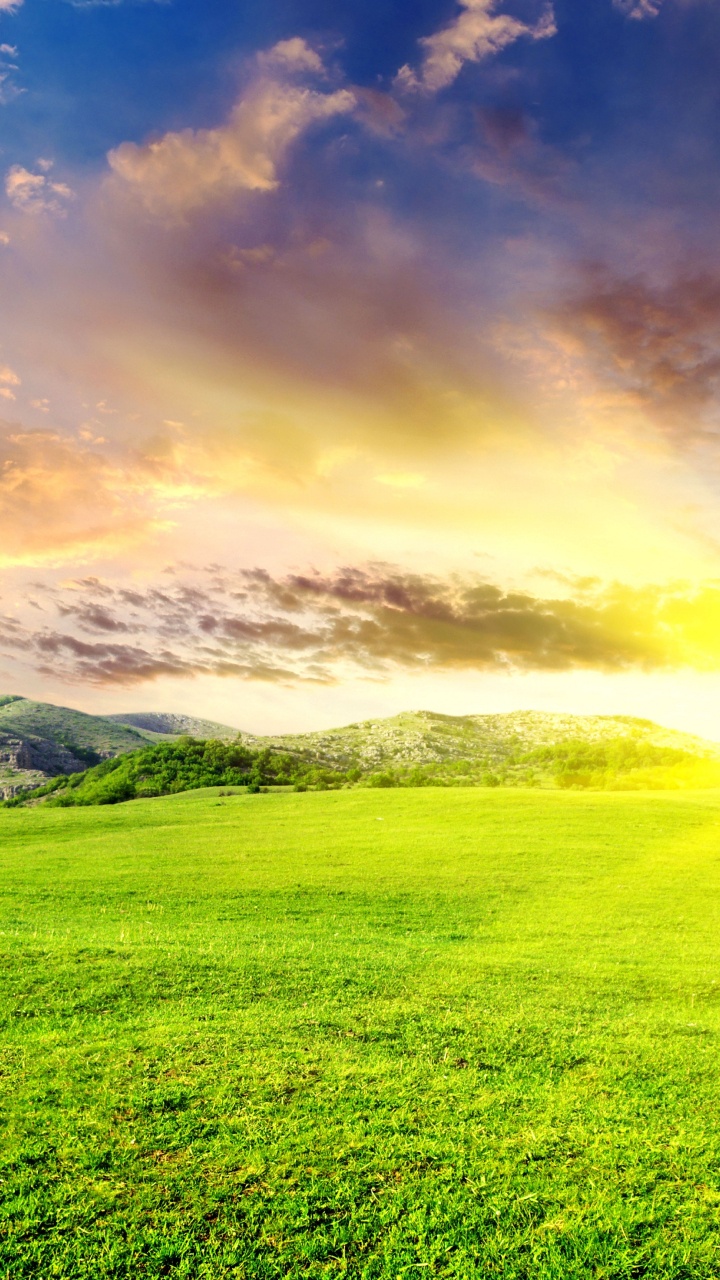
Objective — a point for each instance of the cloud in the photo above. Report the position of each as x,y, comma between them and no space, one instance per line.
10,6
285,333
479,32
8,380
64,498
8,87
294,55
372,619
184,171
659,344
638,9
36,193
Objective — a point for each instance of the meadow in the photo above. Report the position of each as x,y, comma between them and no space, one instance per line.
378,1034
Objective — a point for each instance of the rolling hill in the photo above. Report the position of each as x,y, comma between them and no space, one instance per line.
163,726
430,738
493,741
39,741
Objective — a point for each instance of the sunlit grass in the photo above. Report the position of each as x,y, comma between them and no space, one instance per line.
378,1034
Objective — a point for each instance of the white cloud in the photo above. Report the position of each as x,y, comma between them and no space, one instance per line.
8,88
293,55
183,171
477,33
34,192
639,9
9,6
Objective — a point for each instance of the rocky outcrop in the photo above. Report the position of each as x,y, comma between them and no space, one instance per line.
38,754
28,762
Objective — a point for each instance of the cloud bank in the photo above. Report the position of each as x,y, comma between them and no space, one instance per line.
373,620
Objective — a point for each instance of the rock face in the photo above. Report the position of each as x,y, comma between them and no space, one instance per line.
28,762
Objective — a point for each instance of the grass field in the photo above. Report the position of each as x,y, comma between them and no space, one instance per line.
377,1034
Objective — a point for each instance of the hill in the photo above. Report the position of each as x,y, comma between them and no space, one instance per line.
187,764
528,750
162,726
431,739
520,746
39,741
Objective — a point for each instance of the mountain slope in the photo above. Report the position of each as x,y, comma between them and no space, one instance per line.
164,725
426,737
39,741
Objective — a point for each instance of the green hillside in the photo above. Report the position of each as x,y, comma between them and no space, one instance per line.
39,740
371,1034
522,748
426,737
161,725
614,754
166,768
429,738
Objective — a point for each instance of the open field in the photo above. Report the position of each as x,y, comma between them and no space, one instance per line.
367,1033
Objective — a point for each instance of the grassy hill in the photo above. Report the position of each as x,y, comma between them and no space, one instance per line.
163,726
519,748
365,1033
426,737
527,749
430,739
39,740
186,764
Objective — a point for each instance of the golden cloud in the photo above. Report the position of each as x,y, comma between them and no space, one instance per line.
181,172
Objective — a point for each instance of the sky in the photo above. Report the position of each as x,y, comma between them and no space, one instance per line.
361,358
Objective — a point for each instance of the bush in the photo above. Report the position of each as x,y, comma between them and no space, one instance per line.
185,765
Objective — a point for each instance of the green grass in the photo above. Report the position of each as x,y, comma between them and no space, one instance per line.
388,1034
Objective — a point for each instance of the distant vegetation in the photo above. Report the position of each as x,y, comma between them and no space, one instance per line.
62,756
187,764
